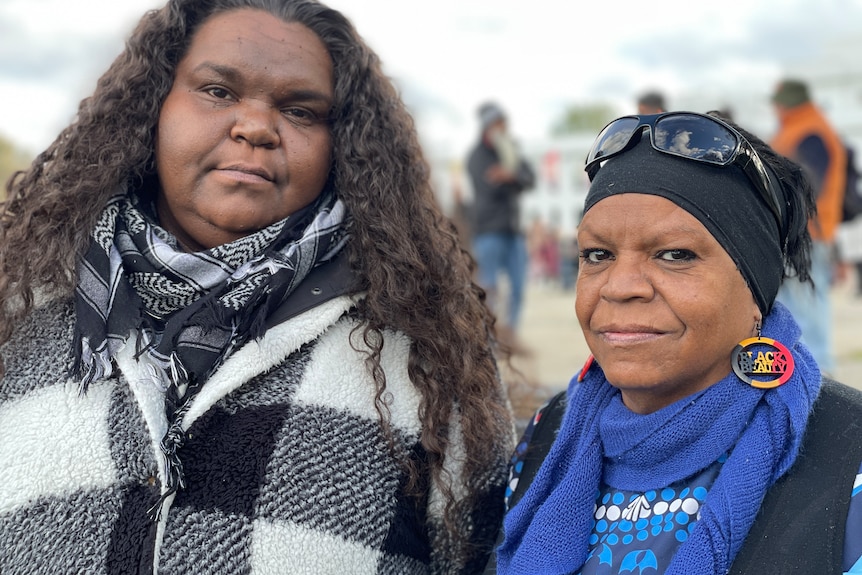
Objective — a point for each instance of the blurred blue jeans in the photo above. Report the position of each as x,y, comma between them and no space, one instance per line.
507,252
812,309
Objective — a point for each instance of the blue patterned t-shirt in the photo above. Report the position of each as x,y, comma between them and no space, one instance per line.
636,532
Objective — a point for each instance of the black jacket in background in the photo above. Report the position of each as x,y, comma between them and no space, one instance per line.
495,207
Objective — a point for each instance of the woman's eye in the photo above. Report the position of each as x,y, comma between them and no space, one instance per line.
218,92
676,255
300,116
595,255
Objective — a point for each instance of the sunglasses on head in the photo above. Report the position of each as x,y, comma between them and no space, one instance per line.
693,136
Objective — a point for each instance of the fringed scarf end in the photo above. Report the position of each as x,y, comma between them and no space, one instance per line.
90,365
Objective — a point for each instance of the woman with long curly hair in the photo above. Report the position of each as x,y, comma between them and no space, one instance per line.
237,333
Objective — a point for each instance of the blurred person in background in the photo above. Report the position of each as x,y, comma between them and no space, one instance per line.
569,260
806,136
651,102
238,335
543,253
499,175
701,436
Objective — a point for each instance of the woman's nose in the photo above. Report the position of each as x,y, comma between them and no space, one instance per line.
256,123
627,278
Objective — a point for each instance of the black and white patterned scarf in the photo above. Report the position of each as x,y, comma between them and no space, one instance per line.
188,311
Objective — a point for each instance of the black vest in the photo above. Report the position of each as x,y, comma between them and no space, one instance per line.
800,526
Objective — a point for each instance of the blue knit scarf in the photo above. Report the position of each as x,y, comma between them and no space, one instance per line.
601,441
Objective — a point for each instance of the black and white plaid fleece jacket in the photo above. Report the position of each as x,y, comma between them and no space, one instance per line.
285,465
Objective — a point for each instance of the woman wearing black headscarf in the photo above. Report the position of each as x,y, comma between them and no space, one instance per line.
700,437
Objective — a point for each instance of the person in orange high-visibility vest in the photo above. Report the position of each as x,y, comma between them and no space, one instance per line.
806,136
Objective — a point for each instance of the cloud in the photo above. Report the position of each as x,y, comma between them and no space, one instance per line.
449,55
768,32
27,59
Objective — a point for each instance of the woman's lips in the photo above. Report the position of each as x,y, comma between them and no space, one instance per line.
629,334
246,173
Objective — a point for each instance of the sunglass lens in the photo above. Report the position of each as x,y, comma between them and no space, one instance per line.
695,137
613,138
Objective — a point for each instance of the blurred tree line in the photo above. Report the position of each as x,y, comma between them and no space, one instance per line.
12,158
581,118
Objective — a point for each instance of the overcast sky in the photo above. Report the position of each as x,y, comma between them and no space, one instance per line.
448,56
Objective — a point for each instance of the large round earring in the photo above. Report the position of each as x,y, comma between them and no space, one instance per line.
762,362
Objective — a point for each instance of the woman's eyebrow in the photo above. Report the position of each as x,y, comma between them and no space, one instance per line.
228,72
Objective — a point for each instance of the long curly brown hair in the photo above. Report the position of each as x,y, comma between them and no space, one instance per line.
405,254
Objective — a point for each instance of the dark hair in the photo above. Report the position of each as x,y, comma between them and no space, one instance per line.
791,93
800,203
652,99
405,254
